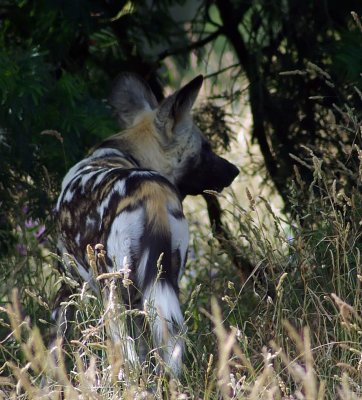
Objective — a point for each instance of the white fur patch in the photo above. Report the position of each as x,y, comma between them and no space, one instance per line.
68,196
72,173
86,177
141,268
180,238
124,236
119,187
101,176
162,298
163,305
106,152
84,273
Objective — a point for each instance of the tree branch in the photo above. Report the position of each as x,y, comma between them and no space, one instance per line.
257,89
222,235
190,47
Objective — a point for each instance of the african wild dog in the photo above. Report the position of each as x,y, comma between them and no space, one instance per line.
127,194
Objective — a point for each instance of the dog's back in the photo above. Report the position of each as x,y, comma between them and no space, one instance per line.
137,215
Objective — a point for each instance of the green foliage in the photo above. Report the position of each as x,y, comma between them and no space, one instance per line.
46,125
57,62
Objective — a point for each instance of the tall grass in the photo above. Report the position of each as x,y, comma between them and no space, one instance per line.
293,331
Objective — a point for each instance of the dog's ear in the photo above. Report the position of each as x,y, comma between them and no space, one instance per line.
130,97
177,107
185,98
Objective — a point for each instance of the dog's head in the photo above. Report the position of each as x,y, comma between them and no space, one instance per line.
164,138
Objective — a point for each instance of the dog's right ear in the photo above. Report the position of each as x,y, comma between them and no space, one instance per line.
130,96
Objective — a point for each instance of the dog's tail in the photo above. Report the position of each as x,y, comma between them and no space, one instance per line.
162,305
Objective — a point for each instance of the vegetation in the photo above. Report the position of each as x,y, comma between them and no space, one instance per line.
273,297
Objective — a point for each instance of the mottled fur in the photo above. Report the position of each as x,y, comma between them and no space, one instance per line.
127,194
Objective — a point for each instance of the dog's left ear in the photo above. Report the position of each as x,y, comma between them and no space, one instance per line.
130,97
177,107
